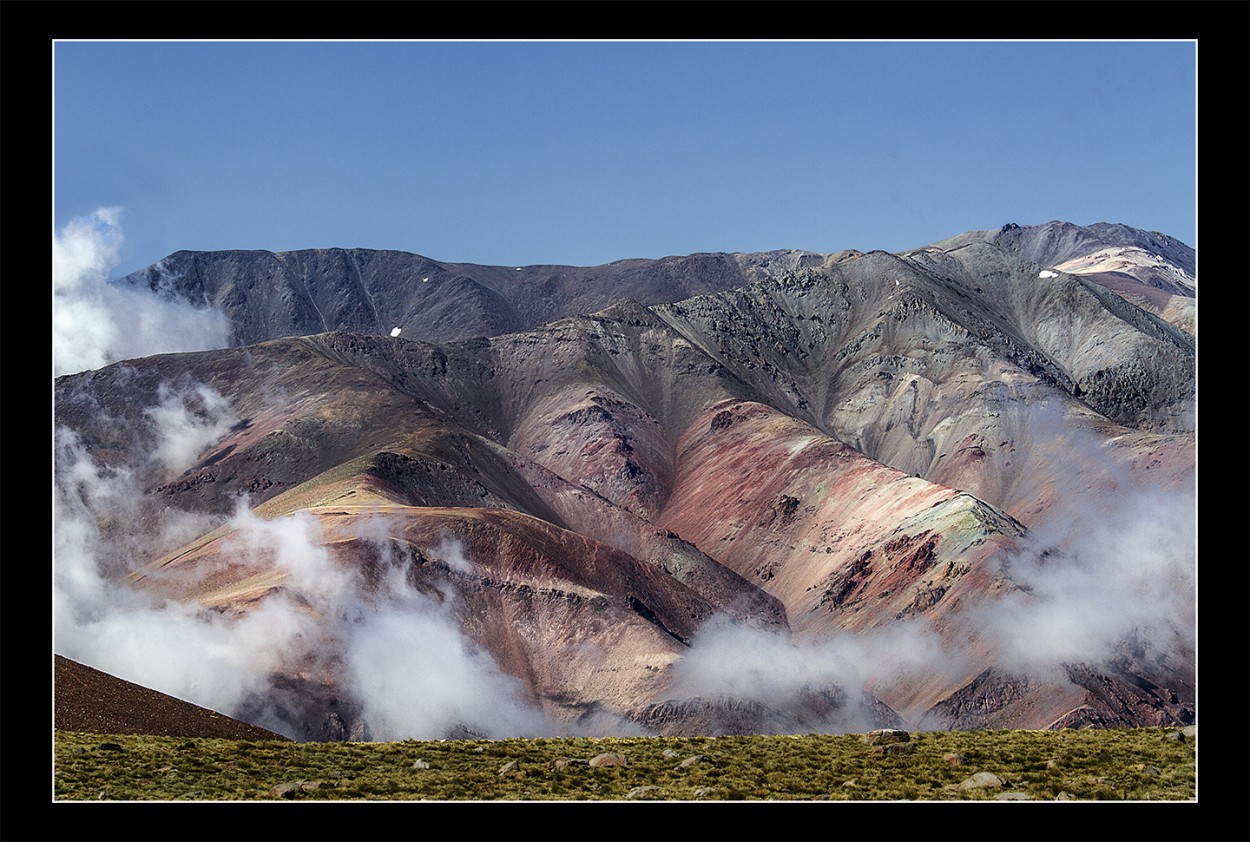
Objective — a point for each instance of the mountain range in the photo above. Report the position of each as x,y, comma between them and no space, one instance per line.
951,487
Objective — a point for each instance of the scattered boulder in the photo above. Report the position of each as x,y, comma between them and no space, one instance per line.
693,760
705,792
953,758
608,758
1013,796
109,747
511,769
640,791
886,736
981,780
290,789
1065,796
565,762
420,764
671,753
1189,732
894,748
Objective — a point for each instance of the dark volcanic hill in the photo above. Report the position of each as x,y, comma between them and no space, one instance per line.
97,703
719,492
268,295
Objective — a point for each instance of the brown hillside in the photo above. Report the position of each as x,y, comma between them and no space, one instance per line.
96,702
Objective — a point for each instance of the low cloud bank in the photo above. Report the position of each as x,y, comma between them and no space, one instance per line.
1114,578
403,665
785,677
1110,578
96,322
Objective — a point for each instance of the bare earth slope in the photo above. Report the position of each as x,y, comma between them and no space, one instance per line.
98,703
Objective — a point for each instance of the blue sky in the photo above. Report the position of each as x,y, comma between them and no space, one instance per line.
515,153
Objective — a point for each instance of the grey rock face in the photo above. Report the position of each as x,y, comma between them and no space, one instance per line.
1054,242
268,295
794,324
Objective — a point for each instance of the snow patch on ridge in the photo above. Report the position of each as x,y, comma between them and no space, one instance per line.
1121,259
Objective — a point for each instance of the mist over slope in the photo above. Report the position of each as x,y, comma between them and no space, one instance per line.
783,491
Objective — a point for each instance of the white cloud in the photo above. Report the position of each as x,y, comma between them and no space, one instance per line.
186,423
416,675
1119,569
95,322
399,654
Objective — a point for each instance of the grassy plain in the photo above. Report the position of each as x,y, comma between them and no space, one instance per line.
1139,764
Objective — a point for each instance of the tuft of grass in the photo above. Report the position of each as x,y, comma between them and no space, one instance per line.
1138,764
